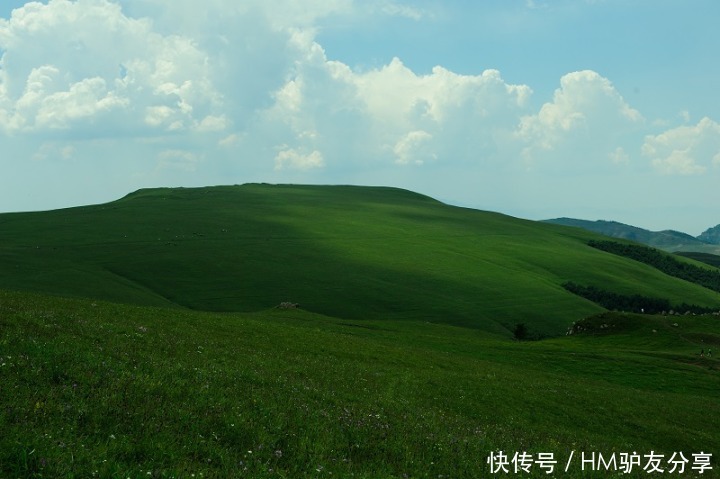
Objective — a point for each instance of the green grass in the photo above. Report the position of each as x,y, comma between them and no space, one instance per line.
353,252
140,340
95,389
707,258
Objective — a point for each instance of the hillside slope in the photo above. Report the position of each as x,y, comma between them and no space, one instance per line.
707,258
352,252
95,389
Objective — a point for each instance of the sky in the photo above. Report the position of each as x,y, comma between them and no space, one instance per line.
592,109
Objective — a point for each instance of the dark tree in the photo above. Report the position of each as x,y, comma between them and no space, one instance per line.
520,332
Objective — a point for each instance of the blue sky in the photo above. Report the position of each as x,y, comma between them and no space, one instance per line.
596,109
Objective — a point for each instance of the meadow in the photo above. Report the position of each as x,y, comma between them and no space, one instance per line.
97,389
142,338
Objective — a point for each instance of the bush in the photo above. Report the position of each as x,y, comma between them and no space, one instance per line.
520,332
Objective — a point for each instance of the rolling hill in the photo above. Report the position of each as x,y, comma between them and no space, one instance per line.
351,252
707,258
363,380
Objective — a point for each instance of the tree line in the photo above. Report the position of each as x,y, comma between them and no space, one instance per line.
662,261
634,303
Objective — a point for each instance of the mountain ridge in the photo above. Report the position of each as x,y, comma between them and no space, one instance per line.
669,240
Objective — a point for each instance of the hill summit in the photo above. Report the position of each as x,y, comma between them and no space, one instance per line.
344,251
711,235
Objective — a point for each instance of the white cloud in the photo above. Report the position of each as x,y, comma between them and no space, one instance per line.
414,148
395,91
685,150
84,99
385,114
241,70
678,162
586,120
396,9
66,62
213,123
296,160
229,141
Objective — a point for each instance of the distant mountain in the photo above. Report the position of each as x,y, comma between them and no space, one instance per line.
668,240
711,235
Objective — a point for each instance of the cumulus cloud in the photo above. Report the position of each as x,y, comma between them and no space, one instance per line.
258,83
414,148
92,68
391,113
587,117
66,62
685,150
396,92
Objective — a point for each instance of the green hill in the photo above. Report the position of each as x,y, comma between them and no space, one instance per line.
351,252
363,380
707,258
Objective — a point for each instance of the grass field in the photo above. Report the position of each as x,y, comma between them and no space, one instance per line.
95,389
140,338
351,252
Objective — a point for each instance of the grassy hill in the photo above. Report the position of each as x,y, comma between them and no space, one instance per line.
95,389
371,378
351,252
707,258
